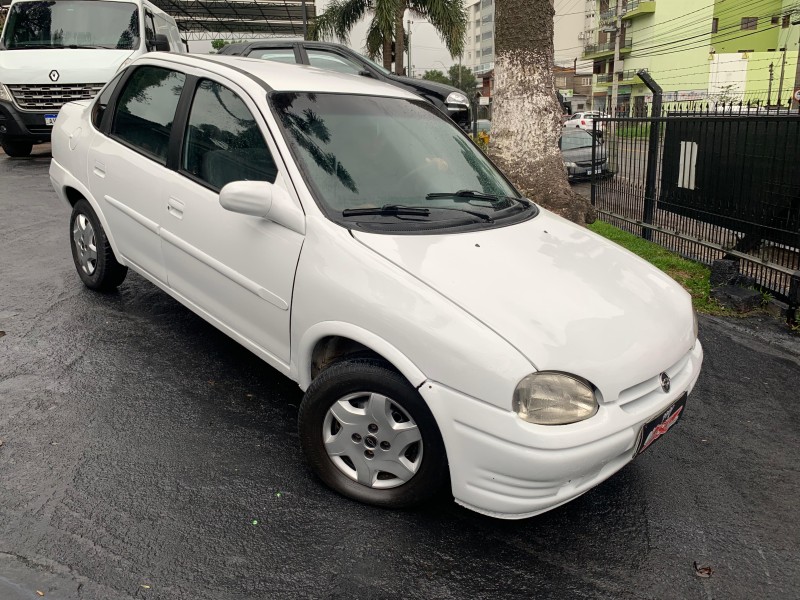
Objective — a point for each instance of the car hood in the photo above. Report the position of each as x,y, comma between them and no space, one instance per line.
73,66
566,298
428,87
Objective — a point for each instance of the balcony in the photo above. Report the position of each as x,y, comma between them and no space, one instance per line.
608,16
592,51
637,8
628,78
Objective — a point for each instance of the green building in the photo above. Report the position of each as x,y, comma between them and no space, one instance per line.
696,50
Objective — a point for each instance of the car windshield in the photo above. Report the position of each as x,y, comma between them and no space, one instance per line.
72,24
576,139
367,154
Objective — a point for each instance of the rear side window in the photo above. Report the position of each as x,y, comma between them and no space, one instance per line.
282,55
332,62
146,110
223,142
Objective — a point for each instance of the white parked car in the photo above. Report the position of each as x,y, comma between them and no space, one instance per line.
446,331
585,120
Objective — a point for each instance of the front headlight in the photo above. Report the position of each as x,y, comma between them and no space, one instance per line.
5,95
456,98
548,398
570,165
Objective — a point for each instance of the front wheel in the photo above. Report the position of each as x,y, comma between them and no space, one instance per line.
91,251
368,434
17,149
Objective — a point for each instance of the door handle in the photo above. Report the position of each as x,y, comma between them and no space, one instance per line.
175,208
99,169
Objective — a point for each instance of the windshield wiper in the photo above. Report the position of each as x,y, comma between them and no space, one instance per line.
389,210
469,195
34,47
83,46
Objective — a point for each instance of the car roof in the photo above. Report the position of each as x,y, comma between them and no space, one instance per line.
280,76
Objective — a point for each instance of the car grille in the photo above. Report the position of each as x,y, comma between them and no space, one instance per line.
53,96
588,163
647,394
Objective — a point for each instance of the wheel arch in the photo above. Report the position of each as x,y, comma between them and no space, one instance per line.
327,343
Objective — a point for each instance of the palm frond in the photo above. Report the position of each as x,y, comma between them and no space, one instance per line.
448,17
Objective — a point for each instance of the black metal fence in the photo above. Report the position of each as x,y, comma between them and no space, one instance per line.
710,182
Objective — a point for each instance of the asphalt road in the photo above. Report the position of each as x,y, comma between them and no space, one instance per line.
145,455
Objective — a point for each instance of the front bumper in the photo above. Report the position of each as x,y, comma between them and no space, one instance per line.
584,173
21,126
506,468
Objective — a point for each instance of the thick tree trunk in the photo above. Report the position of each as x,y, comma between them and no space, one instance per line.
399,39
387,52
526,122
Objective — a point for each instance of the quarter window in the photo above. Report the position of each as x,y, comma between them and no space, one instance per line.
223,141
332,62
100,105
146,110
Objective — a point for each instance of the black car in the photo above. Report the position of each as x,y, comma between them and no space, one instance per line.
576,150
336,57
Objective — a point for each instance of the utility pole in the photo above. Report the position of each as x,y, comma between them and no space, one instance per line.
783,68
769,89
408,50
305,20
614,82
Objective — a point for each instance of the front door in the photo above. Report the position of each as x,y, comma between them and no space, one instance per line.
239,269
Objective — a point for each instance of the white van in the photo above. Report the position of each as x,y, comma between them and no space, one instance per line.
56,51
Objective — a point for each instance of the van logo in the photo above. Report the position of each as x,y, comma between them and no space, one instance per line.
54,75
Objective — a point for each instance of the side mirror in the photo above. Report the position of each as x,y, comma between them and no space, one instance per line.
365,73
160,44
265,200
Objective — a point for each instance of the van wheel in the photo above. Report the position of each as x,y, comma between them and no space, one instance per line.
17,149
91,252
368,434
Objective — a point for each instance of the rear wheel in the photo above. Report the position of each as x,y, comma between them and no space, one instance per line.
17,149
369,435
91,252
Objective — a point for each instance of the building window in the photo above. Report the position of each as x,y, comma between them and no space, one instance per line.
749,22
775,20
586,81
561,82
485,3
486,35
785,22
477,39
714,25
487,51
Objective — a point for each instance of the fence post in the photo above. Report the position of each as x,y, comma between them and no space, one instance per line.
594,154
652,153
794,297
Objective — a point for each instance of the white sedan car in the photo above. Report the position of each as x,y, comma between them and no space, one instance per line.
445,330
585,121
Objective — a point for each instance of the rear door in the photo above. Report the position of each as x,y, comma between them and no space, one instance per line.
127,164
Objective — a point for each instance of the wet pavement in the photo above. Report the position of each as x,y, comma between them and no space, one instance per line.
146,455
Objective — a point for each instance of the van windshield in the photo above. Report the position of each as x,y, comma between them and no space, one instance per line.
72,24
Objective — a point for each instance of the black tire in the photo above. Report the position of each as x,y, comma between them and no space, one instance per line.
105,274
370,375
17,149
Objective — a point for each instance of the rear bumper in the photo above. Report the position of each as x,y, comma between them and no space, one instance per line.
506,468
21,126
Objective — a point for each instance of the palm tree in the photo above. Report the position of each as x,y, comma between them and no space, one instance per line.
526,123
448,17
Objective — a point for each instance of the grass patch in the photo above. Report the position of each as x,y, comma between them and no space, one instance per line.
694,277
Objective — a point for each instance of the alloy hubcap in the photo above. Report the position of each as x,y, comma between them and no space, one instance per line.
373,440
84,241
